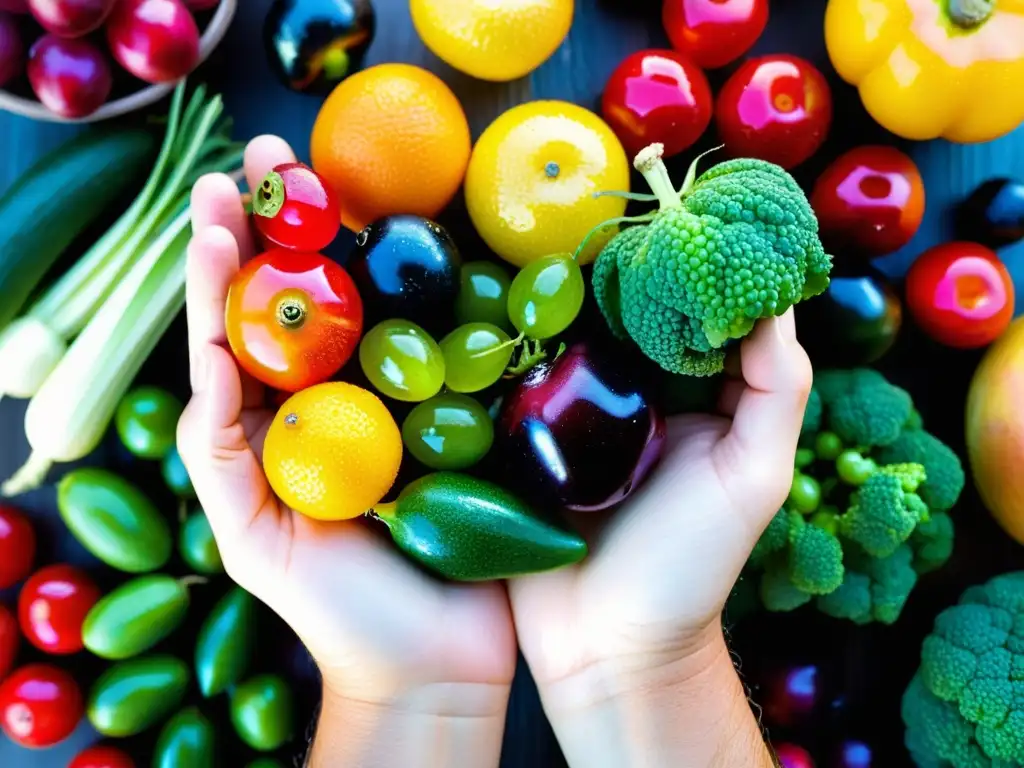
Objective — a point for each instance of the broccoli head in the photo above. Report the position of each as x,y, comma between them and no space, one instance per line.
875,588
812,414
932,542
945,472
965,707
862,407
738,244
885,510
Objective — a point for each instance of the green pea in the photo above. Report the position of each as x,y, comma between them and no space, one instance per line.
804,494
176,476
135,617
262,712
135,695
828,446
187,741
826,519
853,468
225,644
197,545
804,457
147,421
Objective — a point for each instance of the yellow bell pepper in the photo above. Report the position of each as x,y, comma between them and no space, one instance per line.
933,68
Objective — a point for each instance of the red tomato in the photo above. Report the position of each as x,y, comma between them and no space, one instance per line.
17,546
9,641
293,319
714,32
52,608
870,200
960,294
295,208
777,108
102,757
40,706
657,96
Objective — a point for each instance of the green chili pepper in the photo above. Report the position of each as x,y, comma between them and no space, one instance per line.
225,644
187,741
135,695
262,712
136,616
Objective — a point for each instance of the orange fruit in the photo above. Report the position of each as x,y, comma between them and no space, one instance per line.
391,139
332,451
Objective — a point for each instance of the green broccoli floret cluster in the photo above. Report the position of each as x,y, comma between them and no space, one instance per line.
965,706
867,511
738,244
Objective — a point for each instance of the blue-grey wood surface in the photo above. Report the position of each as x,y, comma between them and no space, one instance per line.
602,34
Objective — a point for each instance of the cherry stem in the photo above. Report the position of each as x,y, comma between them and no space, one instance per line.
504,345
268,200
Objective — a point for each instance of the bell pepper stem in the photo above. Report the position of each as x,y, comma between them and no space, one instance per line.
968,14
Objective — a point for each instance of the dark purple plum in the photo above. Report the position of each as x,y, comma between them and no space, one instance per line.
12,52
70,77
792,695
578,433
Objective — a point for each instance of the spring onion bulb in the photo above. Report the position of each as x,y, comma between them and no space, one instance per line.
196,141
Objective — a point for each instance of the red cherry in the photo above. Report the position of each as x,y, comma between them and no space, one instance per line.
40,705
714,32
657,96
776,108
17,546
102,757
870,200
52,608
9,641
295,208
70,77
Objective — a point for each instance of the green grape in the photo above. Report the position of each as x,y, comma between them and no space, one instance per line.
449,431
483,295
546,296
402,361
475,356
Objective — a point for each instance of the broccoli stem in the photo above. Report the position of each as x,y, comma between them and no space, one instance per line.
650,164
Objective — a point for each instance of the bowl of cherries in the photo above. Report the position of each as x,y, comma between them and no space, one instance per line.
89,60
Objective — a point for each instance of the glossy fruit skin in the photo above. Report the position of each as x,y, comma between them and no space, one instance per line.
186,740
657,96
147,421
854,322
10,640
531,181
155,40
792,756
546,296
112,519
133,696
852,753
70,77
312,45
993,215
102,757
402,361
12,50
296,209
14,6
52,607
960,294
467,529
578,433
40,705
262,712
791,695
70,18
869,202
483,294
224,647
714,32
176,475
449,431
197,545
475,356
777,108
293,319
406,266
333,419
135,617
17,546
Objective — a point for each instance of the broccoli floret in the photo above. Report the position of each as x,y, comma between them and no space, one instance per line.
875,589
932,542
965,707
738,244
945,473
777,590
863,408
774,539
885,510
815,557
812,414
914,421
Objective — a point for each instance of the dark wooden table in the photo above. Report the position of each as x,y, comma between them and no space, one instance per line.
870,666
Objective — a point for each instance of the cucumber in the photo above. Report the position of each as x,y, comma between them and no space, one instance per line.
57,198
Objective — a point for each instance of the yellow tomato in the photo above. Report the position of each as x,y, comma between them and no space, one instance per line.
493,39
532,177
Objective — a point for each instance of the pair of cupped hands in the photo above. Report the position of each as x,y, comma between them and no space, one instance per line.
643,609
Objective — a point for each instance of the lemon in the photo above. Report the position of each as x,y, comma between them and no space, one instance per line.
532,177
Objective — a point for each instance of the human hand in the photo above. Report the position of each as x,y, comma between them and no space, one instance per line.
642,615
382,633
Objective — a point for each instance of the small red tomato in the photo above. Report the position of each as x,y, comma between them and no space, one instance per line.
776,108
52,607
960,294
869,201
9,641
293,319
792,756
102,757
295,208
40,706
714,32
17,546
657,96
